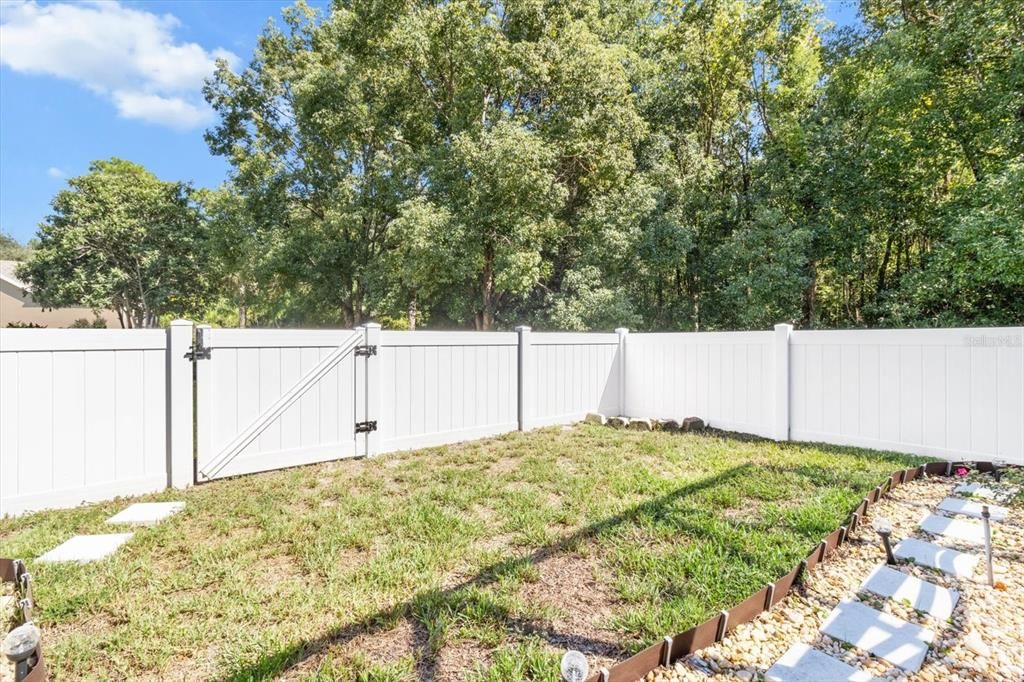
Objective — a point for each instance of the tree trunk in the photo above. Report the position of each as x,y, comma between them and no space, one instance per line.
412,314
810,298
485,316
243,316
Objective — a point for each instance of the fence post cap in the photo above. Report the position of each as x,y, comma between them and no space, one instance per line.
621,330
523,328
181,323
784,325
371,325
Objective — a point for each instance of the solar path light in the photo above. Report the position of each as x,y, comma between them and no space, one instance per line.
19,647
574,667
997,469
988,543
883,527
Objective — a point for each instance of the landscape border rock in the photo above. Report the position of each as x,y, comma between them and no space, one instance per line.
715,629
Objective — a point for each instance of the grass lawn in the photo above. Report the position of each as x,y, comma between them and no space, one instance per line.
482,561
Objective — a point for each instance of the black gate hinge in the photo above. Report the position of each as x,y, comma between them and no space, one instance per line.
365,351
366,427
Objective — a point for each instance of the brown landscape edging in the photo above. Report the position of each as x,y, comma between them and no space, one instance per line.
14,571
715,629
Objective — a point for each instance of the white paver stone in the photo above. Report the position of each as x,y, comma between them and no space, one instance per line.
886,636
921,594
803,663
957,564
974,490
146,513
956,505
86,548
964,530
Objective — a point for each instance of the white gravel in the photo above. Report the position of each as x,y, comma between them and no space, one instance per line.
982,641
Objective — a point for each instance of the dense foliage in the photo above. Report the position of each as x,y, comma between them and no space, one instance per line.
121,239
660,164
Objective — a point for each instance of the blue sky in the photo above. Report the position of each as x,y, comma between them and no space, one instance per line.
90,80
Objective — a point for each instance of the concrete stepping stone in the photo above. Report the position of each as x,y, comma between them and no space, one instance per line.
957,564
86,548
957,505
886,636
922,595
970,532
803,663
974,490
146,513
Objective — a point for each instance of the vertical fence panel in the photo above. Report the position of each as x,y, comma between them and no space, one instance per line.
78,413
954,393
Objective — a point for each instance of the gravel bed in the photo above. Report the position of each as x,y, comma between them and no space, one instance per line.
982,641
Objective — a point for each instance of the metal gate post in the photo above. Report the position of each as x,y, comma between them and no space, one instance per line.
371,377
180,405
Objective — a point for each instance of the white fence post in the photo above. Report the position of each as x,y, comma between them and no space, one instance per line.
524,377
622,332
180,406
780,426
372,337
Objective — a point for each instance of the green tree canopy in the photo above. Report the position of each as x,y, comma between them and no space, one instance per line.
120,238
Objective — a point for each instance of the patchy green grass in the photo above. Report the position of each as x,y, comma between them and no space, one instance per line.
479,561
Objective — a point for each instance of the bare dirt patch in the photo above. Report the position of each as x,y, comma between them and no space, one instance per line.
579,605
457,658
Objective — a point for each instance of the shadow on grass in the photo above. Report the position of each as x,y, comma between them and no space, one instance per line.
425,608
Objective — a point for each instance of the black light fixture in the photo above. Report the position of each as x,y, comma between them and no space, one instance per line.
883,527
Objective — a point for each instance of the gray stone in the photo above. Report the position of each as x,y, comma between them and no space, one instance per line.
803,663
956,505
86,548
595,418
640,425
618,422
693,424
957,564
670,425
921,594
970,532
147,513
897,641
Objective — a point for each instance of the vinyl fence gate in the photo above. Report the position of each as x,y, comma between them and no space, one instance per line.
270,399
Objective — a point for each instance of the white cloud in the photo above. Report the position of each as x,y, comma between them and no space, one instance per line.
128,55
174,112
55,172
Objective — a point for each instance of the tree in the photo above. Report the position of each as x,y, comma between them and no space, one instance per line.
120,238
12,249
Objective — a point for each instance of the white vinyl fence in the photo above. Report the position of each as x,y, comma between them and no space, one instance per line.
726,378
83,415
953,393
90,414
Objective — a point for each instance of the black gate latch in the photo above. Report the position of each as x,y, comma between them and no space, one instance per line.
366,427
199,352
365,351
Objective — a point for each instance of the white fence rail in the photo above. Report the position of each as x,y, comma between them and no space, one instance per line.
90,414
83,415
